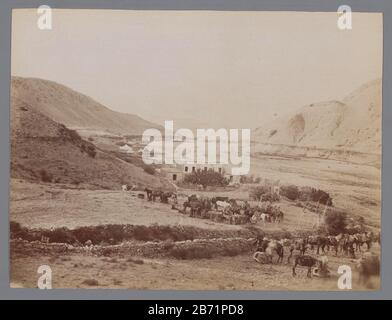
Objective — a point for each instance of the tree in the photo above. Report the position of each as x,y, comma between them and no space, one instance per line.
290,192
206,178
256,193
336,222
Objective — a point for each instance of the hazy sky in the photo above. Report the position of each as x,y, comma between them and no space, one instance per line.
205,68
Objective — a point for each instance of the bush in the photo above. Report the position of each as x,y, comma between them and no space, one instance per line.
256,193
149,169
290,192
315,195
135,261
91,282
15,227
61,235
45,176
321,196
206,178
270,196
336,222
91,151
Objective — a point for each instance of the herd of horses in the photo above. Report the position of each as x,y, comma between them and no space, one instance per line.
345,244
220,209
308,251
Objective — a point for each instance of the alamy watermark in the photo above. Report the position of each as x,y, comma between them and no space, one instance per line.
344,21
45,278
234,147
44,21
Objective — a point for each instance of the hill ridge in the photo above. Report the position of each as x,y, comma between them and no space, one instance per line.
74,109
352,123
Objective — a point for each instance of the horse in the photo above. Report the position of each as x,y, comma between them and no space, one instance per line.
318,242
268,247
276,246
196,207
305,261
333,242
149,194
156,194
348,244
164,196
298,244
279,217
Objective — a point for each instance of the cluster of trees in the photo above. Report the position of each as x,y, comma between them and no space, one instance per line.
293,193
263,193
206,178
338,221
335,222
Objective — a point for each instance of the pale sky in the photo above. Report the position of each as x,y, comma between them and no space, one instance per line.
200,68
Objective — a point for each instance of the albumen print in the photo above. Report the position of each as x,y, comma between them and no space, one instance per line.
195,150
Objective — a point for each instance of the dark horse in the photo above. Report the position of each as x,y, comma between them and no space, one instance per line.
305,261
149,194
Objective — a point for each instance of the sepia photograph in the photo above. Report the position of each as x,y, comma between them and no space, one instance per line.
195,150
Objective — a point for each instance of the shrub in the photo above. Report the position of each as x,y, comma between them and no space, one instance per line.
135,261
91,151
315,195
61,235
336,222
206,178
256,193
91,282
149,169
270,196
321,196
15,227
290,192
45,176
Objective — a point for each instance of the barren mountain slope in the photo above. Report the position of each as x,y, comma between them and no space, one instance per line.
42,149
352,124
74,109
